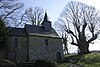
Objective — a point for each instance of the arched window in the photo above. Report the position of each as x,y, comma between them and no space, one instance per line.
15,45
46,42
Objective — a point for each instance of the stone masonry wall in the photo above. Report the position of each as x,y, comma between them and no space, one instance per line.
20,51
38,49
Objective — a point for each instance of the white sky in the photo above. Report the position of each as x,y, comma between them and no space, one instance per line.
55,7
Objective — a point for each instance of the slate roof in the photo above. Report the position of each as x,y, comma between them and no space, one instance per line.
33,29
46,21
17,31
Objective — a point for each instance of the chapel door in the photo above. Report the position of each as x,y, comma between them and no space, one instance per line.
58,56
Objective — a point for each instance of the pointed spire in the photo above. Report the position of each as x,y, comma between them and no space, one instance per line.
45,17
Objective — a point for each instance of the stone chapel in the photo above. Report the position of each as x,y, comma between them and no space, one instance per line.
35,43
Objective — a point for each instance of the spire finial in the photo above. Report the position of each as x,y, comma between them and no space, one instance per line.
45,17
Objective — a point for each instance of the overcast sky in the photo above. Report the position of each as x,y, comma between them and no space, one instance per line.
55,7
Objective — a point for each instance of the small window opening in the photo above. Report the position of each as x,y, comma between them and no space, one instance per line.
15,45
46,42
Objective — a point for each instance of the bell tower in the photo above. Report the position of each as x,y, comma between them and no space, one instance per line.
46,23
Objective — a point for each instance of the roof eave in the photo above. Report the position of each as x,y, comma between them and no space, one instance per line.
42,35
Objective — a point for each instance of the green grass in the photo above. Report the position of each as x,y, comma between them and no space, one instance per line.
87,60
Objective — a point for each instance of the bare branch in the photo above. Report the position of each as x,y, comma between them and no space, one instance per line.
35,16
11,12
8,9
81,20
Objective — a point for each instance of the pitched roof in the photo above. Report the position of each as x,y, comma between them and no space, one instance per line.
34,30
46,22
17,31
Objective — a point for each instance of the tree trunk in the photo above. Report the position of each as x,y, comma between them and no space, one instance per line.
84,48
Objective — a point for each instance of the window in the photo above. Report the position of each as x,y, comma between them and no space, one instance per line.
15,45
46,42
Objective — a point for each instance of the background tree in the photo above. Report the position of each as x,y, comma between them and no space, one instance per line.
64,39
60,29
10,12
82,24
3,34
9,16
34,16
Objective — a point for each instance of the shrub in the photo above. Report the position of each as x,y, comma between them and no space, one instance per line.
25,64
7,63
45,63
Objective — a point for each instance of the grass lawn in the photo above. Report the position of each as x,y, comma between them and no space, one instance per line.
87,60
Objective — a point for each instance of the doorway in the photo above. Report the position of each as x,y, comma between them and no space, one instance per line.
58,56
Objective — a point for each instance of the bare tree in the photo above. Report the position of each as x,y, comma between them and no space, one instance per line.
82,24
35,16
60,29
64,39
9,12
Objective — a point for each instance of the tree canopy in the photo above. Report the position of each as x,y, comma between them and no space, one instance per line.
82,23
8,17
3,34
